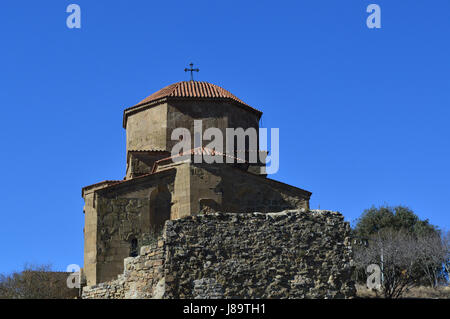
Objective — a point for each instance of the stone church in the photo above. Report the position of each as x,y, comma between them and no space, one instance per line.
122,215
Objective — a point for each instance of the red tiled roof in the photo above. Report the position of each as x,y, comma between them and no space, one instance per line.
198,151
110,182
133,179
148,151
194,89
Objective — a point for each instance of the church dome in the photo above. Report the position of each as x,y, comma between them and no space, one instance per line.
195,90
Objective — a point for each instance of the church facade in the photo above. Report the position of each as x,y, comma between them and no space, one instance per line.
122,215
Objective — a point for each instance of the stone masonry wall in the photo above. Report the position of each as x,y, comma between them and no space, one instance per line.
140,278
291,254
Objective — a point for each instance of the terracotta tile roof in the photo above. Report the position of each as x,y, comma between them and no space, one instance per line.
123,181
194,89
198,151
148,151
108,182
152,152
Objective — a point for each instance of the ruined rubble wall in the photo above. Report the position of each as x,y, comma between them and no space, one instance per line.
291,254
139,280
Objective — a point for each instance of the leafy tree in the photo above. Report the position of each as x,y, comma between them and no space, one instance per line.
397,218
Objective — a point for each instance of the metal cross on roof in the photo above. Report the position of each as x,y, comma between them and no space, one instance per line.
191,70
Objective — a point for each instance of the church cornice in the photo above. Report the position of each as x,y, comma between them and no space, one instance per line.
188,91
141,107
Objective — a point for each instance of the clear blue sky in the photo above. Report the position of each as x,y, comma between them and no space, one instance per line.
363,114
